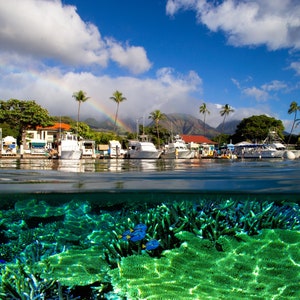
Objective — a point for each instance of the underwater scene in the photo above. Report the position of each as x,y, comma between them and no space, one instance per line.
149,229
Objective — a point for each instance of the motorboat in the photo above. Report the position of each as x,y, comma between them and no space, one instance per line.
177,149
143,150
69,147
258,151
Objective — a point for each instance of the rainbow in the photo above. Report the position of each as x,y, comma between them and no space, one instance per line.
111,116
53,81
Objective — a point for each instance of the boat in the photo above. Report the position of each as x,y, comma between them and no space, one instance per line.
115,149
271,147
143,150
70,147
257,151
177,149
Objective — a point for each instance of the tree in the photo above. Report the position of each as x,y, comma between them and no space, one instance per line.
224,112
204,110
118,98
24,115
156,116
81,97
257,128
294,108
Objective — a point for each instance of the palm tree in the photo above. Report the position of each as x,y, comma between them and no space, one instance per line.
203,110
118,98
294,108
225,111
79,96
157,116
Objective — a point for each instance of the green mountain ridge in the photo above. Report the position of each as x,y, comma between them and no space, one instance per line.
176,123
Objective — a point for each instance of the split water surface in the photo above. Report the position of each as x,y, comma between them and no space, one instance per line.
212,229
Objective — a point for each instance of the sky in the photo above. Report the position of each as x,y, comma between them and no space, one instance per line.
167,55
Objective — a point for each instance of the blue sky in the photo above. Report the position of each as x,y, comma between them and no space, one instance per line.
170,55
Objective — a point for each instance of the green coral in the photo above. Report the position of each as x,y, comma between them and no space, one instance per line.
74,267
41,209
266,266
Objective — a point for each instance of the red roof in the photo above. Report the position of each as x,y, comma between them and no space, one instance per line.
57,126
199,139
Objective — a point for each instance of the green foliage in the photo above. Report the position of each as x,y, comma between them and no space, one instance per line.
256,128
23,115
8,130
63,119
222,139
104,137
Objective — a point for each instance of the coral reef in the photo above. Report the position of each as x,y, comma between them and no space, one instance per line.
266,266
193,248
74,267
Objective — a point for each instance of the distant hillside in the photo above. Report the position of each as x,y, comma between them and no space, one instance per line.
186,124
175,123
229,127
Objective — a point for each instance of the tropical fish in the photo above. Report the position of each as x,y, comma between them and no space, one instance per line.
126,235
136,234
152,244
140,226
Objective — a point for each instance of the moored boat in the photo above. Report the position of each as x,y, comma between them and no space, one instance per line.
177,149
142,150
69,147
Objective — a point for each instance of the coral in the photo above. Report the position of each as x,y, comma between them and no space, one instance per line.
265,266
41,209
19,283
74,267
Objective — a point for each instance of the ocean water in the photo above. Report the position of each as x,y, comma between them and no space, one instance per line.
225,229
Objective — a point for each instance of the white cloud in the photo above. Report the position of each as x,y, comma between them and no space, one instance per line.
53,89
295,66
257,93
273,23
51,30
264,92
274,85
133,58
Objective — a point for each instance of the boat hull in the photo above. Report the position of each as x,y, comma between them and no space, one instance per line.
179,155
70,154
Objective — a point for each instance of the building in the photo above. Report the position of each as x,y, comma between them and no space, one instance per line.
202,146
42,139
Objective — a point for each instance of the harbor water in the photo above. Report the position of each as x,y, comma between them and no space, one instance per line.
150,229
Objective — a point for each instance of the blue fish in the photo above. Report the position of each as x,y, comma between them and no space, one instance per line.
126,235
152,244
140,226
137,235
2,261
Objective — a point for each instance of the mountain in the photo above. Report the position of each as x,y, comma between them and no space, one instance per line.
175,123
186,124
229,127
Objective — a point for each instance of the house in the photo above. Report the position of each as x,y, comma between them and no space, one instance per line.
200,144
42,139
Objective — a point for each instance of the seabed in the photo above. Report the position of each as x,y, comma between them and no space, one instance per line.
208,249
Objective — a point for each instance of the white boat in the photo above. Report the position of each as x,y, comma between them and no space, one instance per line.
178,149
257,151
70,147
144,150
115,149
272,147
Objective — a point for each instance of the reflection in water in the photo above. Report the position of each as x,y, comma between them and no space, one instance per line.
100,165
